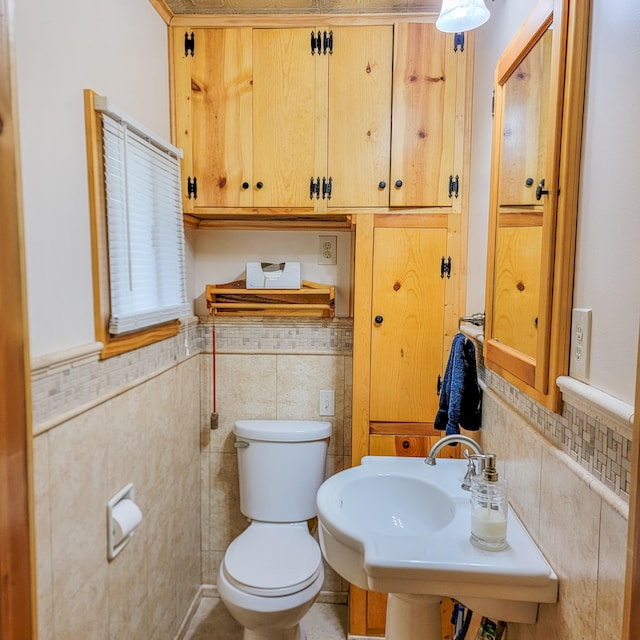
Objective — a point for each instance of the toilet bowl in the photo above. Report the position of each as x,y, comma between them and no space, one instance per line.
269,578
272,573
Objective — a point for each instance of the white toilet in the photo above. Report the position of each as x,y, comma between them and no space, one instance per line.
272,573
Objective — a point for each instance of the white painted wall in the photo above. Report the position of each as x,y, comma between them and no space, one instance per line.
221,257
117,48
607,276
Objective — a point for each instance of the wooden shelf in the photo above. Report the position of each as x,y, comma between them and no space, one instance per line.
234,299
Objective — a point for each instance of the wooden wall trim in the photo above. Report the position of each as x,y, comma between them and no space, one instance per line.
282,20
163,10
17,579
631,615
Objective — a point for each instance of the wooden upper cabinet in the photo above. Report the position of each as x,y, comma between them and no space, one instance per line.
269,123
424,117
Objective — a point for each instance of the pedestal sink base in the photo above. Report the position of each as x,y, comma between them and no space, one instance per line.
413,617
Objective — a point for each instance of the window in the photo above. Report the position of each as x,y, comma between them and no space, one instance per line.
137,232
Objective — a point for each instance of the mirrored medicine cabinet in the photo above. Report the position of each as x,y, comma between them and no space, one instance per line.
537,131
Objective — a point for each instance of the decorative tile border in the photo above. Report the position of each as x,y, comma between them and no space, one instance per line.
594,445
67,383
280,335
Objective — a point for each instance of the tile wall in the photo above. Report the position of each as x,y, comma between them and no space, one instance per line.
144,418
98,426
568,482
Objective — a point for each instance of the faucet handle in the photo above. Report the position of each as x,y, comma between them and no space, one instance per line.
479,461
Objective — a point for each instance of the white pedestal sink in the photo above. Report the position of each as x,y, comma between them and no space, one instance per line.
399,526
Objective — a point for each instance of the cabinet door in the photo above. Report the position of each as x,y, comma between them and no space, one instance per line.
424,116
359,116
407,323
284,117
524,129
213,118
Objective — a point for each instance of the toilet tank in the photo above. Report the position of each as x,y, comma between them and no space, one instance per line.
281,464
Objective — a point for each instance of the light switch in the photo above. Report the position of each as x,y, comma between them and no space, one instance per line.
327,403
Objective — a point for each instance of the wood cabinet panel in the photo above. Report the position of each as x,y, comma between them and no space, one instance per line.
424,116
359,116
407,323
284,117
517,287
408,446
221,84
524,128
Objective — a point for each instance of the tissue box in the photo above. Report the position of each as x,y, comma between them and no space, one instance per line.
273,275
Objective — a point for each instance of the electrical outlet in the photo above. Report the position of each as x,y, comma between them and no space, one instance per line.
327,249
327,403
580,344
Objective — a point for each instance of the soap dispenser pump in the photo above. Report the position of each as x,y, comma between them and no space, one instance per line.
489,508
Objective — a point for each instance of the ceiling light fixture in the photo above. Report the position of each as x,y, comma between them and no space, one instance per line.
461,15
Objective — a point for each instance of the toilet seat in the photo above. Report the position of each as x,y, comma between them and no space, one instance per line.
273,559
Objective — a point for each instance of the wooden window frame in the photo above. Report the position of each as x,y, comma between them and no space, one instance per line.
112,345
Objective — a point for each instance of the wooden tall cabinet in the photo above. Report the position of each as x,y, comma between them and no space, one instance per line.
410,269
366,118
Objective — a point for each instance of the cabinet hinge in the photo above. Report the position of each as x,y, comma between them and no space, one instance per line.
493,104
454,184
189,44
192,188
327,43
314,188
327,185
439,384
445,267
316,42
322,42
458,41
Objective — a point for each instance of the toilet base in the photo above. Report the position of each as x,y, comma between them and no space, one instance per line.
269,618
296,633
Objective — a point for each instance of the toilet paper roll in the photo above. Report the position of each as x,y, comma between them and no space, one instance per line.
126,516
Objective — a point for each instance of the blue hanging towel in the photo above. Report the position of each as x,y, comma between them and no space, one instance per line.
460,396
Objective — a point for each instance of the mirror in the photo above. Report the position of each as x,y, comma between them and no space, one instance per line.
522,166
533,203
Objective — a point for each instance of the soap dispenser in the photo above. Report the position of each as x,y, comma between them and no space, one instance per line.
489,508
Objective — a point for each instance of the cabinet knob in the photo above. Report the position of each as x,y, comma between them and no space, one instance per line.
382,184
528,182
398,183
378,319
259,185
245,185
406,444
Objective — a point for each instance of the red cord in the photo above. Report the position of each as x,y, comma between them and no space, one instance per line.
213,336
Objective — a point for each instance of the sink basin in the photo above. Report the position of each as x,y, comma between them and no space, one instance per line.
386,504
399,526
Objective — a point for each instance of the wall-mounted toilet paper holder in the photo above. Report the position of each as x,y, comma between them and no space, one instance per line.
123,516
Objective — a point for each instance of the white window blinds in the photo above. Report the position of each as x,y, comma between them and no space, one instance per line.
144,225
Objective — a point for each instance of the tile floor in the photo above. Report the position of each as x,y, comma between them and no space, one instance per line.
212,621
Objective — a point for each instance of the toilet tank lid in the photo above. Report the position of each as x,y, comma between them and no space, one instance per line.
283,430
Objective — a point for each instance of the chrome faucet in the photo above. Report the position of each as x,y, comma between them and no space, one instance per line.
471,459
